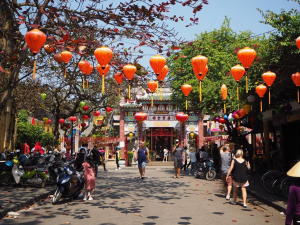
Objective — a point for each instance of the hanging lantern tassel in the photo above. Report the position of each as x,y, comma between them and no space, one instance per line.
34,65
152,100
119,90
246,83
83,85
186,103
103,83
65,72
161,92
200,93
157,89
224,107
87,82
298,95
129,91
237,91
261,104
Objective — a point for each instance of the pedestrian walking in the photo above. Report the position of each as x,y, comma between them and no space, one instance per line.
89,178
55,151
142,156
226,158
179,158
216,157
293,206
185,157
238,168
166,151
118,156
193,162
96,159
103,160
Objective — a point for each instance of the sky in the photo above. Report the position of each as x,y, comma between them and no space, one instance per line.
243,14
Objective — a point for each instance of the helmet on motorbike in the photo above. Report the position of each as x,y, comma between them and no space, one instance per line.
9,163
23,159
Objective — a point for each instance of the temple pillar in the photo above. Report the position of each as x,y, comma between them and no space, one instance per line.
122,132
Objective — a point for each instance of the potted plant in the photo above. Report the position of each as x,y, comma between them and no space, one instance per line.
129,158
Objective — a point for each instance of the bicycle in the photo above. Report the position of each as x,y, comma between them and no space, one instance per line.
270,177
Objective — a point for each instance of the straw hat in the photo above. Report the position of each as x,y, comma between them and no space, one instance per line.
294,171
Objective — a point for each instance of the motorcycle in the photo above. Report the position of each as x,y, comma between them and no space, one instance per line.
26,174
206,169
69,184
6,177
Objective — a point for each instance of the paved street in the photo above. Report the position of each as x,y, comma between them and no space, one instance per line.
122,198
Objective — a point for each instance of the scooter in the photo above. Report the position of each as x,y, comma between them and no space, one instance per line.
206,169
28,174
69,184
6,177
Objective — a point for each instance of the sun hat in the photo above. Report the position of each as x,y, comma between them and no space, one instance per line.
294,171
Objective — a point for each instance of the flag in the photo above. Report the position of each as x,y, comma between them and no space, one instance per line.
33,121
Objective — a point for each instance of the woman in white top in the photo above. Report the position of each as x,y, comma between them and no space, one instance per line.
165,155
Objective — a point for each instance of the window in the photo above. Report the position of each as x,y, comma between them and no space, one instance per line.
145,107
169,107
161,107
153,108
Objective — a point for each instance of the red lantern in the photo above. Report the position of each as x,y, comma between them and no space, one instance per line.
200,68
83,66
222,120
140,117
85,117
157,63
97,113
261,90
61,121
35,39
296,79
298,42
49,49
73,119
199,62
224,95
246,57
49,121
57,57
182,117
66,56
269,78
152,86
119,78
108,109
83,125
129,71
242,113
163,73
89,69
85,108
186,89
103,56
237,73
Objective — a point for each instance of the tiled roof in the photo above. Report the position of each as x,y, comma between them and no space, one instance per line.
131,105
156,97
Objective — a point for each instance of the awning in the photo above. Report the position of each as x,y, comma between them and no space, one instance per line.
160,123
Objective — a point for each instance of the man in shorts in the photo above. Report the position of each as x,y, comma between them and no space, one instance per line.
142,156
179,158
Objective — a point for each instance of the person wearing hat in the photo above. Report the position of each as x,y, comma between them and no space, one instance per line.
293,206
179,158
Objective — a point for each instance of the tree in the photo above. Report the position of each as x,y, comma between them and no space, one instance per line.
220,47
80,27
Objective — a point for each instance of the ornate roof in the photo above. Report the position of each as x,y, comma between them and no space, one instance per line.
165,97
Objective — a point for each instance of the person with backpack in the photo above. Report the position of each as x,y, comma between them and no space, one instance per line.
179,158
89,178
103,160
118,156
226,158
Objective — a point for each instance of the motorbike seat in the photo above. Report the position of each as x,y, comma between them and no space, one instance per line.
29,168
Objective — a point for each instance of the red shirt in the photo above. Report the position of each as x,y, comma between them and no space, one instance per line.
25,149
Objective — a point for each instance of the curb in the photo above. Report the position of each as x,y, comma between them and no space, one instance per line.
22,205
266,201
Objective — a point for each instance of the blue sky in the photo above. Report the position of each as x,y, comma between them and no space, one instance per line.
243,14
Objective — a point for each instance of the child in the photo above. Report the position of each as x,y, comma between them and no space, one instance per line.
89,177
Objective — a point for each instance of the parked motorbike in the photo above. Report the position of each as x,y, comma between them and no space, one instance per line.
6,177
206,169
28,174
69,183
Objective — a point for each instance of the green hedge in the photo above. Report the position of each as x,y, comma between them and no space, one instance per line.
129,156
